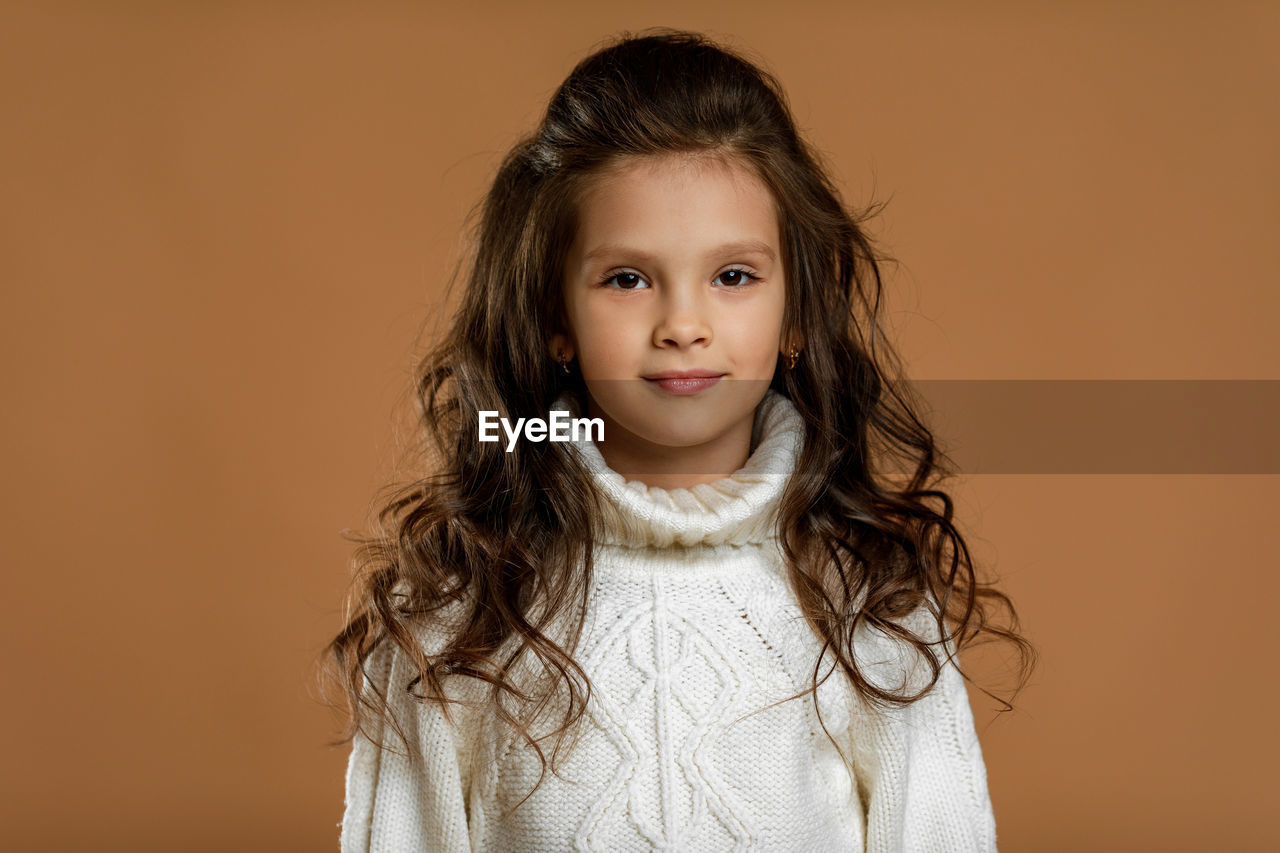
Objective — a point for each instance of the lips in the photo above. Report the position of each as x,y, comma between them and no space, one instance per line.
684,382
696,373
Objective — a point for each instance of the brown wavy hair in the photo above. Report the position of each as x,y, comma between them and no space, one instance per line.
506,539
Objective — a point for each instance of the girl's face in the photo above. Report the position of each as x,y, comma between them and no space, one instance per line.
676,267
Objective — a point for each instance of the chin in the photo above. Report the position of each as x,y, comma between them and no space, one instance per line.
686,434
683,424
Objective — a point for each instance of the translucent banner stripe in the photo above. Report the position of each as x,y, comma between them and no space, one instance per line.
1112,426
1064,426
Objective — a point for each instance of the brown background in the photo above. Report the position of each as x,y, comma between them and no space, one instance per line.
224,222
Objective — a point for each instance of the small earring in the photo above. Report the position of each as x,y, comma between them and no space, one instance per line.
791,359
564,362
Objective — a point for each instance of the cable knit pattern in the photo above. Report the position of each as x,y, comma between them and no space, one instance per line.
691,633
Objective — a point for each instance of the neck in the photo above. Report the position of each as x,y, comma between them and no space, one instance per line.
664,467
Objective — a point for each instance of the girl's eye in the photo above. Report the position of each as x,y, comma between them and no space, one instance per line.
738,279
626,280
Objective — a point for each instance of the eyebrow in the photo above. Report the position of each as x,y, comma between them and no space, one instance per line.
736,248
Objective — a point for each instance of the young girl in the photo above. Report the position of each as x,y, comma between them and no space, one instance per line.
600,638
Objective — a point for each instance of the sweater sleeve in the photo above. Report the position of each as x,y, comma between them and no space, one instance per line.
399,802
920,770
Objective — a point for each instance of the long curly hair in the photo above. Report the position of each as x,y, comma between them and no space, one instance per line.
505,540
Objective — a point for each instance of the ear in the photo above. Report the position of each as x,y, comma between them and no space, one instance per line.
560,347
789,343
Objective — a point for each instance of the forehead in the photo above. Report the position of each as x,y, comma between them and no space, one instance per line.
676,202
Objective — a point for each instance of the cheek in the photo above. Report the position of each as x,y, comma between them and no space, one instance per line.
757,333
602,344
771,323
609,332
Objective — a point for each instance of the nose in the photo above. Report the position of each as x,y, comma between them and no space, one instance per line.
684,321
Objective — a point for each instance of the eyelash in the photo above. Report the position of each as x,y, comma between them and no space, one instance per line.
751,278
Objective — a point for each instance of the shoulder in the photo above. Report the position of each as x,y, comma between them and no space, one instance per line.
396,669
421,638
895,663
433,626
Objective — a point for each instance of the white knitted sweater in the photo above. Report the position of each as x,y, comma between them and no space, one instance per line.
691,627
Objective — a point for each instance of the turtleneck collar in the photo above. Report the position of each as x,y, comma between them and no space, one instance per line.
736,510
